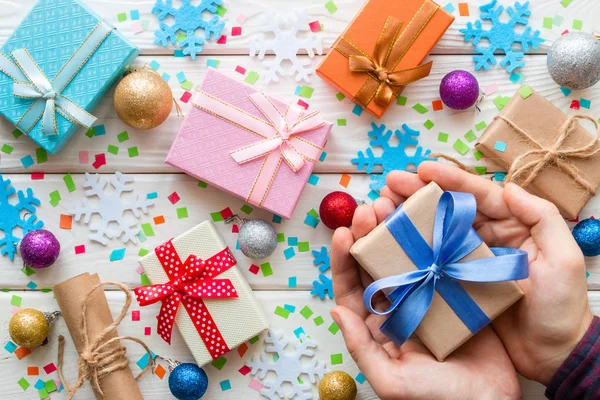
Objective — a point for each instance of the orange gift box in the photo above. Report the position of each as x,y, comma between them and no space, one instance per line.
382,51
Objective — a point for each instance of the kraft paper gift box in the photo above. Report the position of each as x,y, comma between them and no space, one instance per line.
249,144
80,57
355,64
382,256
540,120
219,311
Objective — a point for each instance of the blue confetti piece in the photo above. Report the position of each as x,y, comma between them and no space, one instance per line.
311,221
499,176
276,219
154,65
141,237
39,385
585,103
10,347
289,253
178,54
166,76
313,180
143,362
565,91
500,146
32,285
360,378
290,308
225,385
514,77
212,63
297,91
292,241
237,245
27,161
323,156
135,15
299,332
117,254
152,195
292,282
181,77
449,8
357,110
373,195
99,130
587,274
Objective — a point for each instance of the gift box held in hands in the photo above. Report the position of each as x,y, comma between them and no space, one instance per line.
382,49
55,69
249,144
195,278
444,283
545,151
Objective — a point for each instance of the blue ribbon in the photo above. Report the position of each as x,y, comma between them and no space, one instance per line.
31,83
439,268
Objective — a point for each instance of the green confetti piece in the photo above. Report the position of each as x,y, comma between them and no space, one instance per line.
282,312
306,91
122,17
318,321
182,213
442,137
577,24
50,386
525,91
216,216
55,198
221,11
16,300
470,136
461,147
68,179
219,363
333,328
252,77
331,7
17,133
337,359
420,108
43,393
41,155
23,383
246,209
478,155
429,124
145,280
481,126
306,312
481,170
202,184
340,96
28,271
133,152
180,36
147,229
341,121
548,22
501,101
112,149
401,100
280,237
123,137
266,269
303,246
142,252
187,85
254,339
565,3
7,149
90,132
313,213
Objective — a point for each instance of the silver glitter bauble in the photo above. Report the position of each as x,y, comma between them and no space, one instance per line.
257,238
574,60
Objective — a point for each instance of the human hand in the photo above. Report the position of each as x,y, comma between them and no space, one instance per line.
542,329
480,369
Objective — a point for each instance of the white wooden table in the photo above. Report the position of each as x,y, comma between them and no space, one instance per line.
151,174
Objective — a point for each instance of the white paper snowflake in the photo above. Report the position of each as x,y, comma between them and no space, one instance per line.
286,44
111,208
289,367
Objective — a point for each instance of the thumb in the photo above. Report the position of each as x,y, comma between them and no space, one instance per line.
548,228
366,352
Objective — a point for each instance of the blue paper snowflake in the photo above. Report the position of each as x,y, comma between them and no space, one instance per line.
322,288
392,158
188,19
321,259
15,215
502,36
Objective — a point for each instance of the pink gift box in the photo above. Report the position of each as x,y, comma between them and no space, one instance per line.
211,140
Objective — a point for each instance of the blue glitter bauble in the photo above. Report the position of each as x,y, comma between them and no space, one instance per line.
587,236
188,382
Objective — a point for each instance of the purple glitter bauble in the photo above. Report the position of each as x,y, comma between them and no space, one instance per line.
459,90
39,249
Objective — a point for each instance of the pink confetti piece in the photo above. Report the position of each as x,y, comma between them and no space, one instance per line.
15,310
80,249
36,176
84,157
236,31
186,96
244,370
222,39
147,331
303,104
491,89
135,315
241,19
136,27
565,32
173,198
50,368
256,385
315,26
139,269
241,70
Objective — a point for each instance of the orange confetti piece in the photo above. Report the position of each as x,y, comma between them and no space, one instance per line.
159,220
242,349
437,105
160,371
345,180
463,9
31,371
66,221
22,352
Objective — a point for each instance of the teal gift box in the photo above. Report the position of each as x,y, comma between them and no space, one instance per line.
55,69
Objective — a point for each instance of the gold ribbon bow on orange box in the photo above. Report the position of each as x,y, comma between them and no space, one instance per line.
384,82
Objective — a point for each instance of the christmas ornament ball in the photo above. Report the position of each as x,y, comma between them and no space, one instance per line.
587,236
143,99
28,328
459,90
39,249
257,239
337,385
337,209
574,60
188,381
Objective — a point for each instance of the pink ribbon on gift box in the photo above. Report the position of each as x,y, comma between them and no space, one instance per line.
280,133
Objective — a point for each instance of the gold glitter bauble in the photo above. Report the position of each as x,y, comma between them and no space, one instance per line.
28,328
143,100
337,385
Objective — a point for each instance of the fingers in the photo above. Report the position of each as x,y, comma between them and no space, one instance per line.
548,228
400,185
383,207
369,355
364,221
488,195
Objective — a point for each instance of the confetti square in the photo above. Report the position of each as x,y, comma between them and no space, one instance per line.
23,383
66,221
27,161
147,330
318,321
481,126
449,8
525,91
16,300
222,39
219,363
292,282
49,368
133,152
173,197
84,157
135,315
461,147
22,352
289,253
442,137
585,103
282,312
280,237
221,11
500,146
437,105
480,170
470,136
185,97
123,136
337,359
242,349
311,221
33,371
292,241
121,17
331,7
159,371
244,370
341,122
314,26
401,100
357,110
428,124
577,24
340,96
10,346
548,22
360,378
80,249
499,176
345,180
240,70
6,149
421,109
112,149
290,308
463,9
313,180
299,332
252,77
246,209
255,385
182,213
254,269
135,15
266,269
303,247
306,312
117,254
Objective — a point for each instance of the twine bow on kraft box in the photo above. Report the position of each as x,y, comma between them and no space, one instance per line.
545,151
382,50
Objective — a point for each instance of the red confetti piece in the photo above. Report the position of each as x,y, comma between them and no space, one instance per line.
100,160
244,370
236,31
147,331
226,213
242,349
254,269
36,176
437,105
240,70
303,104
80,249
186,96
235,229
50,368
315,26
222,39
574,220
575,105
135,315
565,32
173,198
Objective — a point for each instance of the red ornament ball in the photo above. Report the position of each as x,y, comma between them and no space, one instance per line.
337,210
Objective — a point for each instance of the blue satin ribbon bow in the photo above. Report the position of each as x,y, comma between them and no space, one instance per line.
439,268
31,83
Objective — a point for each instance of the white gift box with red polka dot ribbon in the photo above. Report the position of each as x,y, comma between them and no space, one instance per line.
195,277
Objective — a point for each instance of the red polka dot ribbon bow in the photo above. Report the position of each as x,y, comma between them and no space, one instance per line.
189,283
